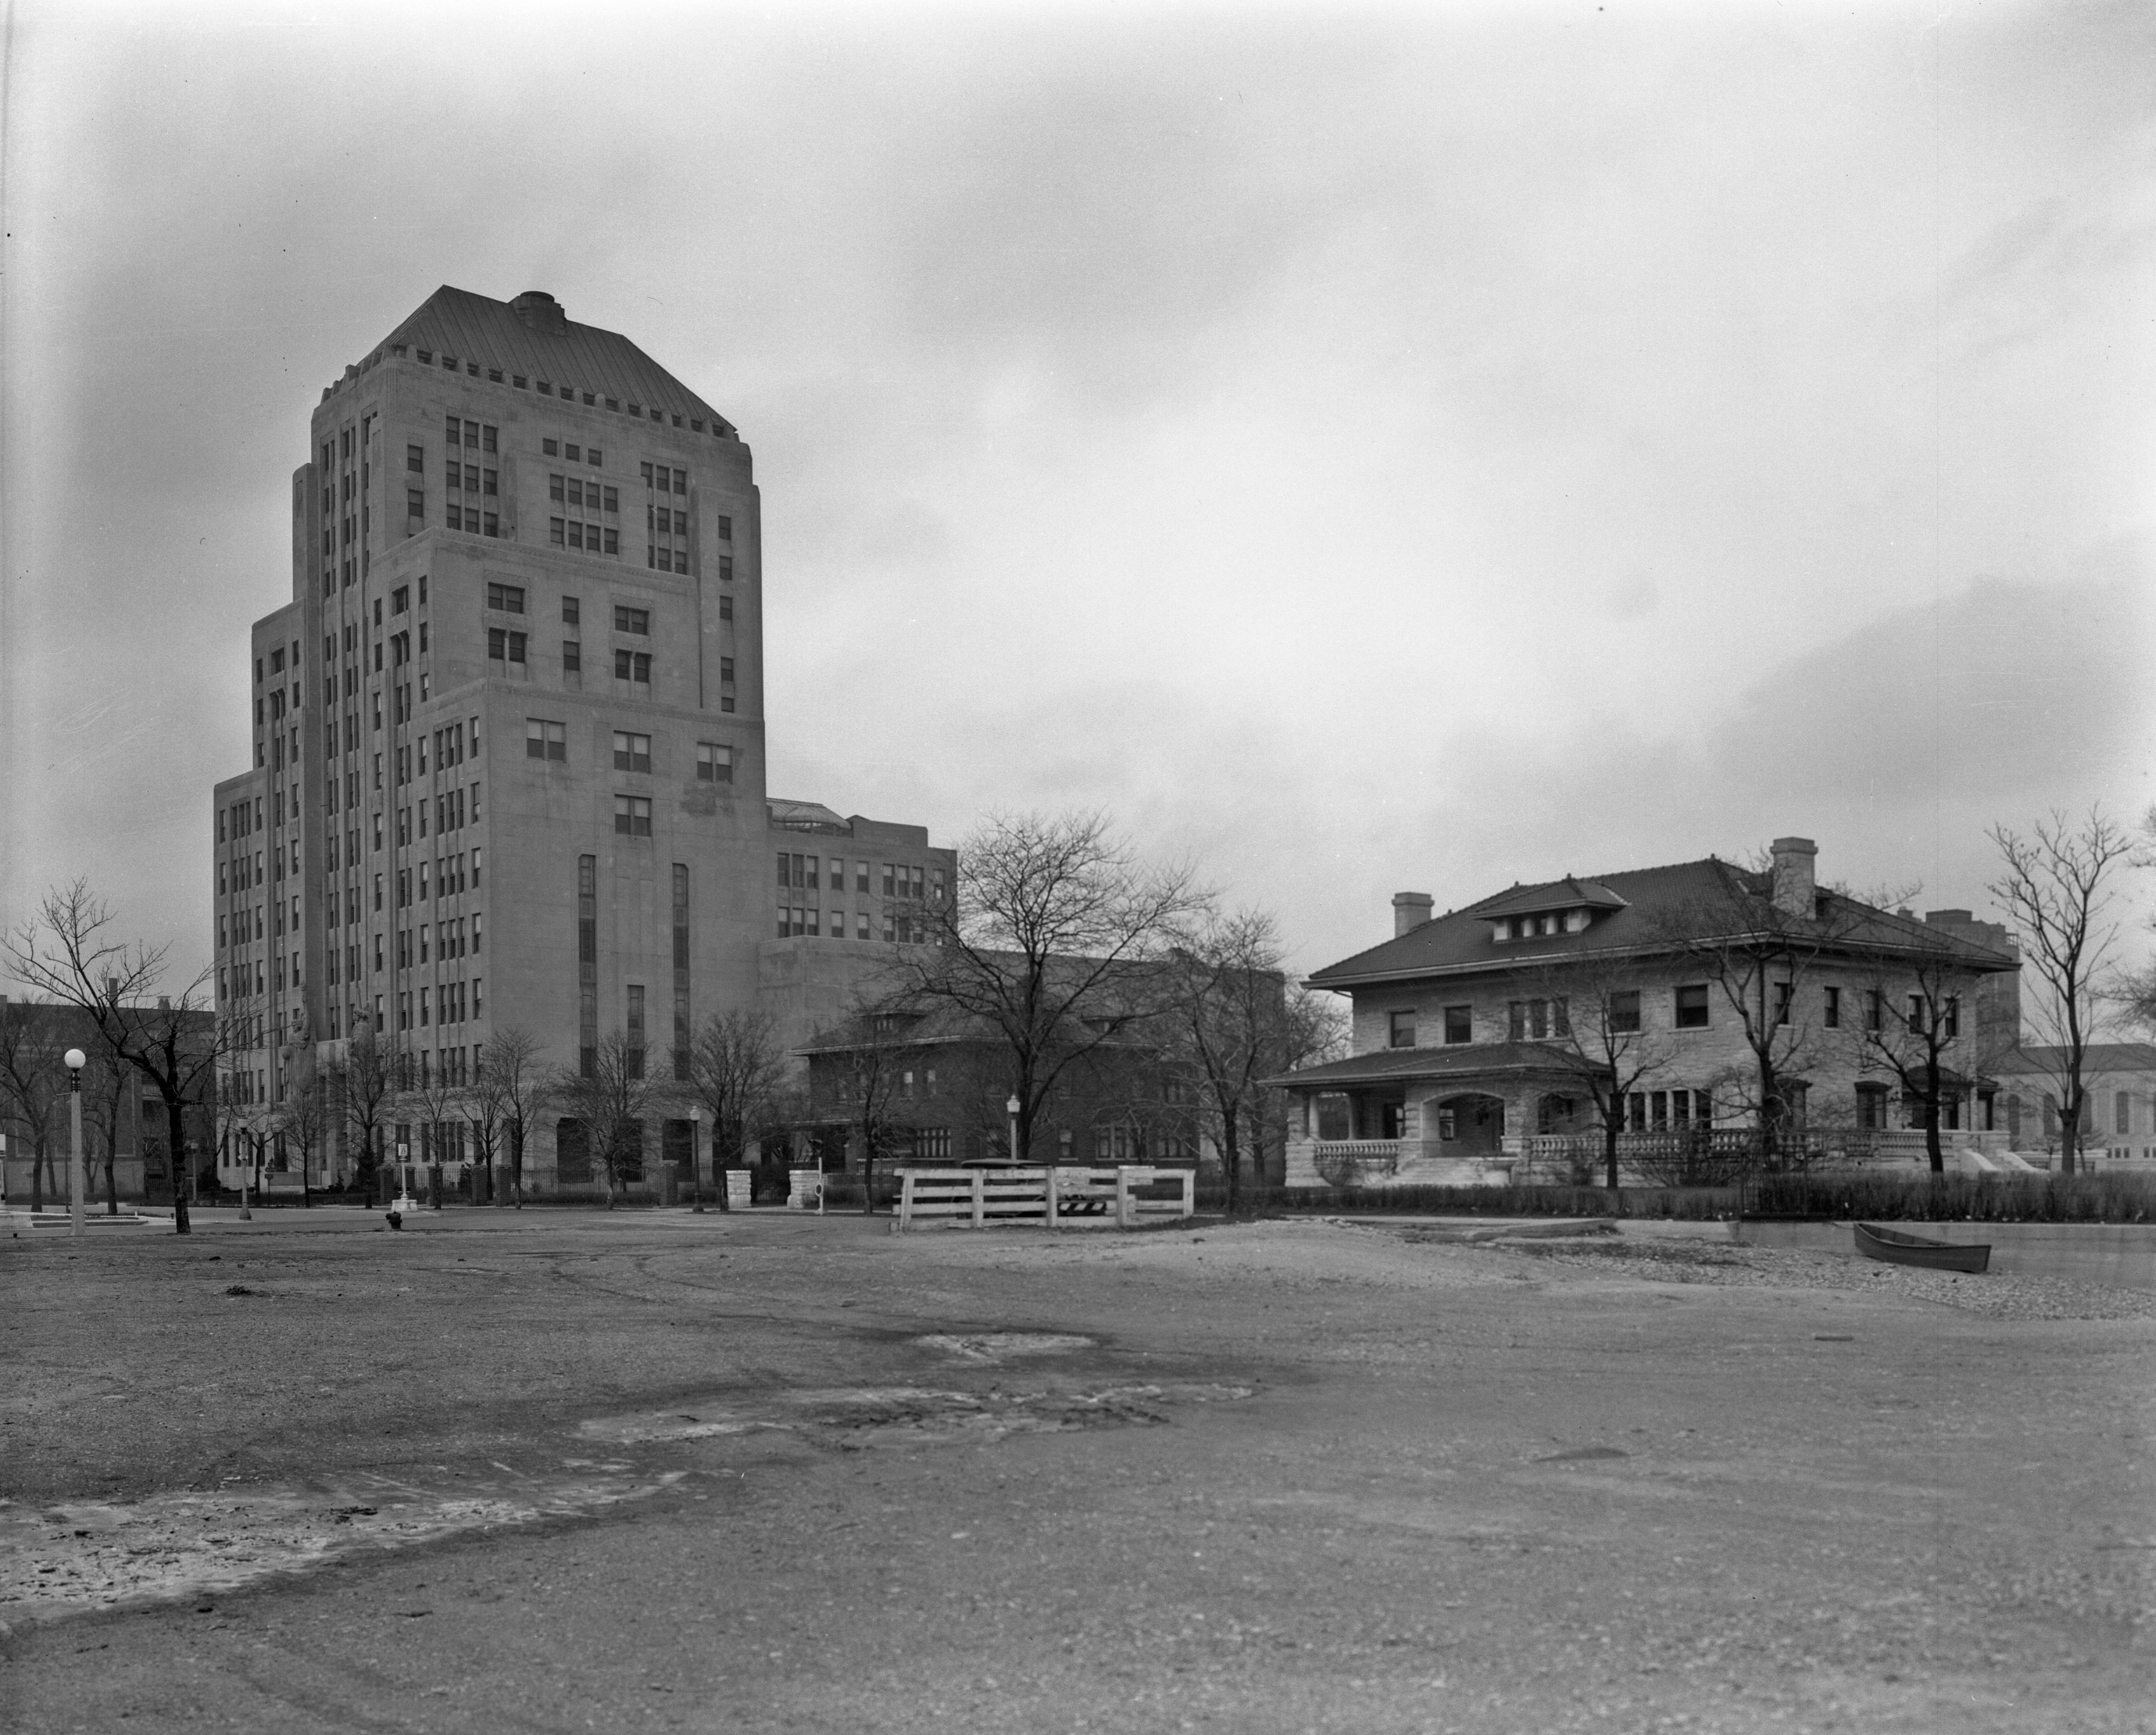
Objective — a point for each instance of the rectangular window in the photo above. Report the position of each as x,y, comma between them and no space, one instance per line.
415,460
1875,1009
634,1031
632,665
545,739
572,612
631,815
400,599
725,528
2123,1111
633,620
1402,1034
573,657
715,764
509,598
1785,993
725,670
1625,1010
1832,1014
1950,1017
1691,1007
631,753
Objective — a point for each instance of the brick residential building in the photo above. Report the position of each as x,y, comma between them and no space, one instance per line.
509,733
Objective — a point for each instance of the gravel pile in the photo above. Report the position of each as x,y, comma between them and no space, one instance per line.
1995,1294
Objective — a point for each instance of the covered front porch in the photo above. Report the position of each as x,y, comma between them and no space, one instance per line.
1431,1117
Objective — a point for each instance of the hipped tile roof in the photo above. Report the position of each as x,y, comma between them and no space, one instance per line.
1656,909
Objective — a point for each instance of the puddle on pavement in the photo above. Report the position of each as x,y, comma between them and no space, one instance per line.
999,1346
71,1558
851,1418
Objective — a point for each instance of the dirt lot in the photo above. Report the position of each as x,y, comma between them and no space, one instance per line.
562,1471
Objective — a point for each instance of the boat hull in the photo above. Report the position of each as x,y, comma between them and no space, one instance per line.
1898,1247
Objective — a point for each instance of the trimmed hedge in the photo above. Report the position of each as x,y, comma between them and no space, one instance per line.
2020,1198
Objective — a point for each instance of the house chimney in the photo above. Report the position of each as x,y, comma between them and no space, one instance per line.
540,310
1410,910
1795,887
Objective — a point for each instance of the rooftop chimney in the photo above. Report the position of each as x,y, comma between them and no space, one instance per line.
1796,890
1410,910
540,310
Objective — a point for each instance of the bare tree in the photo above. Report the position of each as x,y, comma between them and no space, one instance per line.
1910,1023
68,952
436,1100
2057,888
1052,918
33,1083
105,1093
1599,1022
360,1086
872,1077
1759,951
303,1119
610,1101
511,1089
1224,1029
2136,992
736,1071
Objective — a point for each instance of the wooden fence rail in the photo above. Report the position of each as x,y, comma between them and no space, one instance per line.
1048,1196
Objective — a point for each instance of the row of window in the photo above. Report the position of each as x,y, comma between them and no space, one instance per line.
570,490
798,872
546,738
1690,1009
588,538
903,926
509,599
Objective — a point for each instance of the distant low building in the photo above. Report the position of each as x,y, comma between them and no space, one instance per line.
123,1113
932,1084
2119,1111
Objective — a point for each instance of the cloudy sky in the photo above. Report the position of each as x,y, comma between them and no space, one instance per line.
1363,449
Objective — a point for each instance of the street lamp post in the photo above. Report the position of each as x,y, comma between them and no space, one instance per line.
1011,1108
696,1162
75,1059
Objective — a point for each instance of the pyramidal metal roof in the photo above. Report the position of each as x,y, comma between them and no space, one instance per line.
531,335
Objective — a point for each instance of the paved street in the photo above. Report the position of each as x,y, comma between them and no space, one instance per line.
551,1470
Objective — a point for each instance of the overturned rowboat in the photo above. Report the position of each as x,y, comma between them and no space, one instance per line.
1897,1247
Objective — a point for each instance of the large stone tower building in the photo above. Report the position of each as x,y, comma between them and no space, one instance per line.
509,732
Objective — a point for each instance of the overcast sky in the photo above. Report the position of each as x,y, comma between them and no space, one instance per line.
1364,449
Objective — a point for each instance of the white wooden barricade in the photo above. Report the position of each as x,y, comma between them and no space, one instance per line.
1049,1196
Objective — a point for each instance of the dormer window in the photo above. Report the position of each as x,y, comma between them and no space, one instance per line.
1542,924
